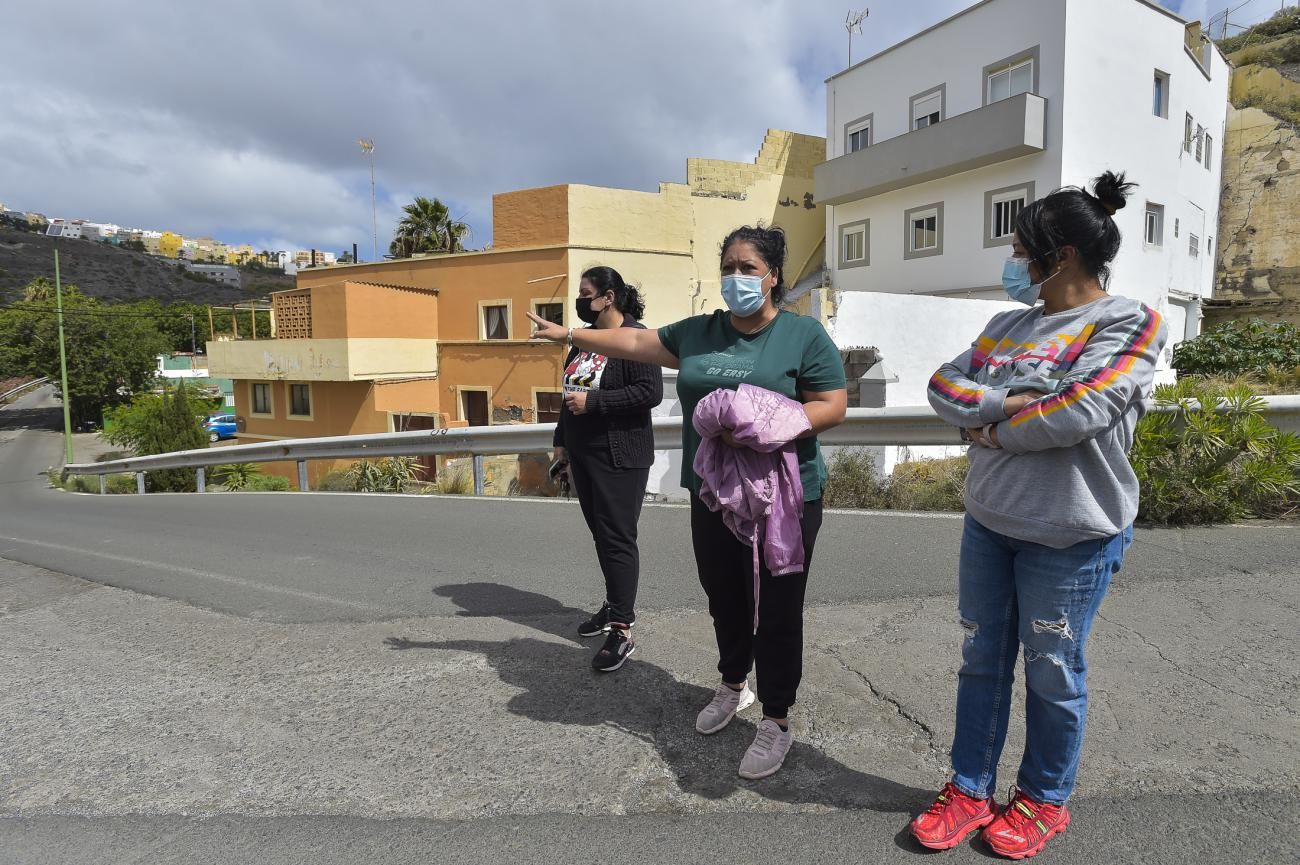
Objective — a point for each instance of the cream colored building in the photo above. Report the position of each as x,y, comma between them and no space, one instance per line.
668,242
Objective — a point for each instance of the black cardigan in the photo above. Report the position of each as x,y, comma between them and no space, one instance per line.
628,390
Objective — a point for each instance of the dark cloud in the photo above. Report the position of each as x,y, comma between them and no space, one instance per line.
241,119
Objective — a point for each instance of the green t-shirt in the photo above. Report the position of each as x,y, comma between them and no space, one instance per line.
790,355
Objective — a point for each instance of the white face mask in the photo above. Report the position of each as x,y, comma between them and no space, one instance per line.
744,295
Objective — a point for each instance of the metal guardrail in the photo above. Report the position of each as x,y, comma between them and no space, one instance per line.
863,427
22,387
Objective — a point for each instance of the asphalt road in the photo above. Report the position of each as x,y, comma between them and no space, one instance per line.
330,556
331,678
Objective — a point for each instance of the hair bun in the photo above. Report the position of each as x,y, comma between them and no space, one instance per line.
1112,191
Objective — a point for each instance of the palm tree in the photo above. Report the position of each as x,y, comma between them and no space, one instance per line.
428,227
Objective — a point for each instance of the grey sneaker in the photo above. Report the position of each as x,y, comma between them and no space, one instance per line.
722,708
766,755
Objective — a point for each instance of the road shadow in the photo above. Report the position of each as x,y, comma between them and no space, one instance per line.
558,686
32,418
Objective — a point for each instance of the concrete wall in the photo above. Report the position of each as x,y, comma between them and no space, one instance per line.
668,242
530,217
511,372
462,281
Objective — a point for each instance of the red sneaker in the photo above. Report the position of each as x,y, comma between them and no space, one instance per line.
1024,827
952,817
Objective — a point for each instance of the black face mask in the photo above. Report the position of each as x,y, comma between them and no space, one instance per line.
586,313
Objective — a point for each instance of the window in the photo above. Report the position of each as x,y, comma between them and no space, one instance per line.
1001,207
923,227
1209,149
1155,225
927,108
300,400
1200,143
1011,81
548,406
552,312
1011,76
1177,224
1188,134
1193,246
855,244
1160,95
262,398
1209,246
496,321
857,135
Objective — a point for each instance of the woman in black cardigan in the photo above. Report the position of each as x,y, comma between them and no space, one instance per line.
604,435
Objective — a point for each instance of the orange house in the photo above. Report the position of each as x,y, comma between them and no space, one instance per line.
442,340
419,343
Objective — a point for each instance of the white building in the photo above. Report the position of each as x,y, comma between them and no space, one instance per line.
225,274
935,144
64,228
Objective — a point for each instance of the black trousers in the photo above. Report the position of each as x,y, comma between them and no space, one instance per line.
726,566
611,500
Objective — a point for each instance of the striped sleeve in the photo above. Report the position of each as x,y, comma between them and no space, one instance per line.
1114,372
955,395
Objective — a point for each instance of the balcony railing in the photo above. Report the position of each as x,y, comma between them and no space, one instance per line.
1005,130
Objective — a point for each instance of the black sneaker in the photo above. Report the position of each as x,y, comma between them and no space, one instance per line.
598,623
618,645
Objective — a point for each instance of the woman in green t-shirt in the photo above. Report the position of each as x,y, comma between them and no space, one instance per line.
752,342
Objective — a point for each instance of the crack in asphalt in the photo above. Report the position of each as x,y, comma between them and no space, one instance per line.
1204,681
924,729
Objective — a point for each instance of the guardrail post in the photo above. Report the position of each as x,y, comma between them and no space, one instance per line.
302,476
103,485
478,474
201,480
139,482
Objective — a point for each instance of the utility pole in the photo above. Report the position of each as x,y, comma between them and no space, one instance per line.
63,367
853,23
368,148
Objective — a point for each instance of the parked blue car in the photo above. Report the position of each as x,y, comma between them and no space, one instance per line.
221,426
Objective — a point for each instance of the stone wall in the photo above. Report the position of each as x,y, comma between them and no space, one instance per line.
1258,268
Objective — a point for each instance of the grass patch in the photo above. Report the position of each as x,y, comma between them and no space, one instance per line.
921,485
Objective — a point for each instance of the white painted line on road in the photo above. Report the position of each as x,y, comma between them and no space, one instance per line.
209,575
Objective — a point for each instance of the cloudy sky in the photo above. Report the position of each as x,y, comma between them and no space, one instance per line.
240,119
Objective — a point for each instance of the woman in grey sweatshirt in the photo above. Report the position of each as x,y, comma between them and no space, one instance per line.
1048,397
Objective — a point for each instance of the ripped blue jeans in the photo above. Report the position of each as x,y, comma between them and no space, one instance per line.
1014,593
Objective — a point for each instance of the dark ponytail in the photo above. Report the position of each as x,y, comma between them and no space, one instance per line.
627,299
1078,218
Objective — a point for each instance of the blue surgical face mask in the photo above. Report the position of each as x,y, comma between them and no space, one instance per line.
1017,282
743,295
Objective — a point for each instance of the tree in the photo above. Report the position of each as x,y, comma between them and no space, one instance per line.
111,355
428,227
159,424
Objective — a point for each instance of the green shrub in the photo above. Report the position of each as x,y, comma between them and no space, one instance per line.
454,482
237,477
335,482
1282,23
389,475
121,484
854,482
1214,458
156,424
920,485
269,484
1240,347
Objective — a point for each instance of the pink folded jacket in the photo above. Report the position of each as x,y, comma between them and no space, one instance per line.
756,486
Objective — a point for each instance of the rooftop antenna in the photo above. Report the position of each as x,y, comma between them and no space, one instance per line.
368,148
853,23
